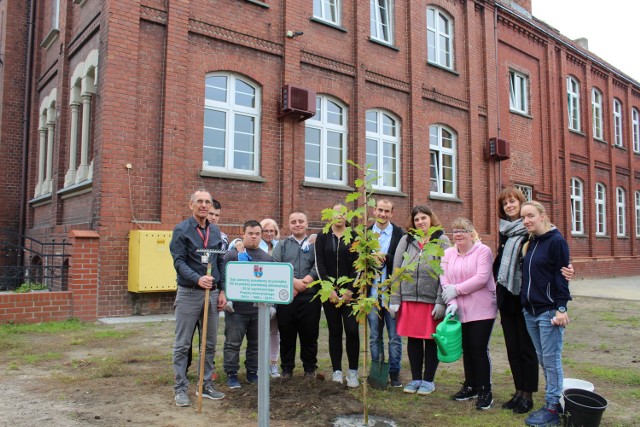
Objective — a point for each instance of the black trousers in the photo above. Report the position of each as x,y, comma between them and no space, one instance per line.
301,319
341,319
475,352
422,353
521,353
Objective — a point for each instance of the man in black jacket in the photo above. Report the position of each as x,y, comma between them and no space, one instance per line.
389,235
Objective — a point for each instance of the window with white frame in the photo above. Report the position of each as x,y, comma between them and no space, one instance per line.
442,143
573,103
601,210
439,38
596,110
635,129
55,14
617,123
382,20
518,92
383,149
577,203
46,131
327,10
231,125
621,207
637,213
527,191
326,142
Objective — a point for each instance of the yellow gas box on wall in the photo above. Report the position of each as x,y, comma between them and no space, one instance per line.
150,262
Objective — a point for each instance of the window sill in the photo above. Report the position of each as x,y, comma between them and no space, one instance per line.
51,37
328,24
231,175
619,147
603,237
40,200
386,192
80,2
577,132
520,113
601,141
440,67
622,237
327,186
258,3
383,43
579,235
444,198
76,189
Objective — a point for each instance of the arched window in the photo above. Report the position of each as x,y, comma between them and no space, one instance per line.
326,142
596,110
637,213
573,103
577,206
439,38
601,210
442,144
635,129
617,123
231,125
621,208
383,149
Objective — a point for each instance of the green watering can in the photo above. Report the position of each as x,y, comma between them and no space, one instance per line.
448,338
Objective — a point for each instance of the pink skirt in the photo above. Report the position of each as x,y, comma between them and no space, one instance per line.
415,320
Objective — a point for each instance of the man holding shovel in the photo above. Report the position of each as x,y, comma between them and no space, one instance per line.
190,237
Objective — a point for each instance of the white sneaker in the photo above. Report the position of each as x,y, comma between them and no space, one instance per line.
352,379
274,371
337,377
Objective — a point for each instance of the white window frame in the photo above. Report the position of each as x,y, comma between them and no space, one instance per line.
321,123
381,19
322,11
637,214
577,206
601,209
383,131
437,153
621,212
573,103
617,123
527,191
635,129
518,92
439,38
55,14
232,111
596,110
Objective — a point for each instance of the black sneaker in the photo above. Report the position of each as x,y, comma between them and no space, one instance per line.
394,379
211,393
465,393
485,399
252,377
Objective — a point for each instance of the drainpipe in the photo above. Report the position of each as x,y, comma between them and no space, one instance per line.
495,46
25,129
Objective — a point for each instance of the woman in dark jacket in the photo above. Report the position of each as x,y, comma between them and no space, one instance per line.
334,260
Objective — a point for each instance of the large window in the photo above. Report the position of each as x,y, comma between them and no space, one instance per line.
439,38
442,143
573,103
46,131
617,123
635,129
518,92
327,10
577,210
231,125
383,149
326,142
621,207
637,213
382,20
601,210
596,109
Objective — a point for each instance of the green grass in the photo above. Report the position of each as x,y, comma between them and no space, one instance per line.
615,318
37,358
42,328
117,334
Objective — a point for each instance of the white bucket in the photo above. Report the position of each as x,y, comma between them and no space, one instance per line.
568,383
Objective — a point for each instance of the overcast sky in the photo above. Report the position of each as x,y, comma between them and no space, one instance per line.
612,28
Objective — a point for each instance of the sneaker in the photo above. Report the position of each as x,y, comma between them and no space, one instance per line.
337,377
252,377
274,371
412,387
232,381
310,374
523,406
485,398
426,387
394,379
210,393
352,378
182,398
543,417
465,393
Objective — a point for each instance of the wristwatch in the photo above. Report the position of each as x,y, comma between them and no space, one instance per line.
562,309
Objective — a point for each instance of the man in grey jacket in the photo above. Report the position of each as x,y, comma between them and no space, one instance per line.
301,317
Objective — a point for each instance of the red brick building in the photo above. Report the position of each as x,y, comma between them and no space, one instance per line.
189,94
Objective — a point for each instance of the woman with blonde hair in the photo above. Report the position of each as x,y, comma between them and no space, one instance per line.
544,296
270,238
468,289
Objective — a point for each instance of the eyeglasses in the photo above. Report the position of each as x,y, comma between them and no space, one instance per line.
269,231
460,231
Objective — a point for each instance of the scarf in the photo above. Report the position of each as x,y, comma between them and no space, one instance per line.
509,274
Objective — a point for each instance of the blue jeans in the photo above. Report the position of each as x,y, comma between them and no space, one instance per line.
376,343
547,340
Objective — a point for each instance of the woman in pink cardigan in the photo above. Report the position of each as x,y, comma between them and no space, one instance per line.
469,290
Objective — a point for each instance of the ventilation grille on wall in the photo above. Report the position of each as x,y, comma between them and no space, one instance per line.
298,102
498,148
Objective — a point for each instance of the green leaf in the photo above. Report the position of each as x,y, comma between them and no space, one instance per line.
352,197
